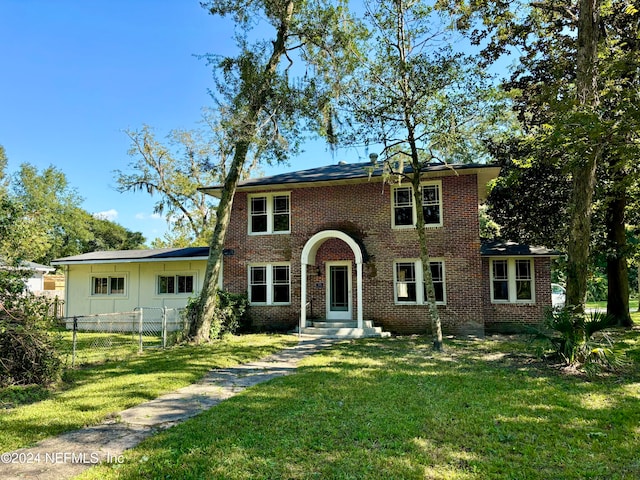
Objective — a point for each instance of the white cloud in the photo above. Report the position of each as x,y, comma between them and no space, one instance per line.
144,216
110,215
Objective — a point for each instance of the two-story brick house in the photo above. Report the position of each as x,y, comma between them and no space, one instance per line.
337,243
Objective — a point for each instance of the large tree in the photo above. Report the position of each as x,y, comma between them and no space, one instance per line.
51,224
574,96
40,219
263,103
173,170
108,235
422,101
588,155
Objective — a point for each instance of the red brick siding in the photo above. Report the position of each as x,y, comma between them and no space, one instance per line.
500,316
364,211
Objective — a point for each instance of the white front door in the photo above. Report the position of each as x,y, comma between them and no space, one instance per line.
339,290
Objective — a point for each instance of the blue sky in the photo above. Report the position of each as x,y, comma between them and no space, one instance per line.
76,73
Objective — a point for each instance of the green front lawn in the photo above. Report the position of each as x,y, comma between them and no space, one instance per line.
89,395
391,409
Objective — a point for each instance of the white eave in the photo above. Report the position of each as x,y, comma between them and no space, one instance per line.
137,256
349,174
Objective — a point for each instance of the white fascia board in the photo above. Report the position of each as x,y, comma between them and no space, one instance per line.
129,260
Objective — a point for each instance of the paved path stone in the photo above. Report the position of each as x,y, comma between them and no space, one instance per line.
67,455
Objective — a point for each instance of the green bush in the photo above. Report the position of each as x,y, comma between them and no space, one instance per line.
580,339
230,317
232,309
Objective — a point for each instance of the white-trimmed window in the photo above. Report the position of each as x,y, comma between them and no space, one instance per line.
108,285
269,213
270,284
175,284
512,280
403,211
409,282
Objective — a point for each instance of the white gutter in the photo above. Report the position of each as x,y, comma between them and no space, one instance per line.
127,260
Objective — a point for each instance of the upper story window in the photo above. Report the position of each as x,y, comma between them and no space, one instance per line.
409,282
175,284
107,286
269,213
512,280
404,214
269,284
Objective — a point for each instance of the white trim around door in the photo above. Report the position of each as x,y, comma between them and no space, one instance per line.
339,288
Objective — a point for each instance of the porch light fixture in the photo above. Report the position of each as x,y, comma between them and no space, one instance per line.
319,271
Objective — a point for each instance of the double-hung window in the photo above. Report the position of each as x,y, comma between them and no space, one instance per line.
409,283
431,204
269,213
107,286
403,207
175,284
512,280
404,213
270,284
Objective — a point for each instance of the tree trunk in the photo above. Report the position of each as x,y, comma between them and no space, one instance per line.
580,234
434,314
638,275
200,327
584,172
617,269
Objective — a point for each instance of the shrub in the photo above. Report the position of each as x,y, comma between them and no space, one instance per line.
579,339
28,353
230,317
232,309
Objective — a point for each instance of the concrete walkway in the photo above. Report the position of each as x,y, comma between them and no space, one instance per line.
68,455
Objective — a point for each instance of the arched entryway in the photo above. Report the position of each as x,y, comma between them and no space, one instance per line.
308,257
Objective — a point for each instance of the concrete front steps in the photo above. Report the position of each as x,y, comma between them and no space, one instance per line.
341,329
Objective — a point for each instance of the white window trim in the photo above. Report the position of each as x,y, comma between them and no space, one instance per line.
269,196
176,274
420,300
413,209
511,280
269,283
109,277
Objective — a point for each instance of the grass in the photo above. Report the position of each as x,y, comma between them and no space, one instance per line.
391,408
98,347
633,305
89,395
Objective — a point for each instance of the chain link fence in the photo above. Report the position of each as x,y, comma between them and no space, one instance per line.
108,336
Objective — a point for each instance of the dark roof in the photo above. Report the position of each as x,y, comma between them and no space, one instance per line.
345,171
341,171
498,248
151,255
